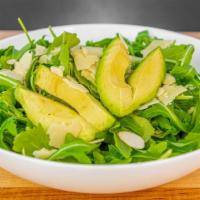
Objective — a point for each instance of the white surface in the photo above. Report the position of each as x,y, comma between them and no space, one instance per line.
102,178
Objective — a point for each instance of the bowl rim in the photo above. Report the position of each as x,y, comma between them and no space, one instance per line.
99,166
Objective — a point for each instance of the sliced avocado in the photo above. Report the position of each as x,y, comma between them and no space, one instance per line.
76,96
148,77
55,118
120,97
114,92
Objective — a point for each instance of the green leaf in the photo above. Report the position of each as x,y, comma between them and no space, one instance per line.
155,151
43,42
139,125
76,148
123,148
8,82
31,140
8,96
8,125
65,59
113,154
30,75
5,55
101,43
142,40
70,39
22,51
180,54
162,110
98,158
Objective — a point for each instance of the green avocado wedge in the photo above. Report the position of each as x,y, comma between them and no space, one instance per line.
148,77
76,96
54,117
122,97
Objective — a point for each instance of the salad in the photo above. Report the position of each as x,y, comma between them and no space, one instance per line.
112,101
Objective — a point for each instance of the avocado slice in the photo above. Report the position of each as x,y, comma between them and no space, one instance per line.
120,97
148,77
76,96
55,118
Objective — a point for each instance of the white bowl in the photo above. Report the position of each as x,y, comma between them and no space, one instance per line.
102,178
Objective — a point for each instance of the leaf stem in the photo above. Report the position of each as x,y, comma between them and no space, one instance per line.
52,32
25,30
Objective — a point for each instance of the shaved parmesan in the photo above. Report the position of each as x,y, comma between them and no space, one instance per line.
148,104
155,44
169,80
168,93
23,65
85,57
43,153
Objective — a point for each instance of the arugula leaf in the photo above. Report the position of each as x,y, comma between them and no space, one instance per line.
98,158
164,127
179,54
43,42
8,82
101,43
196,117
76,148
64,58
70,39
156,150
8,96
22,51
138,125
31,74
8,125
31,140
142,40
5,55
113,156
185,74
123,148
162,110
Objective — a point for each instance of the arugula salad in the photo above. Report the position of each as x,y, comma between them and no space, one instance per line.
112,101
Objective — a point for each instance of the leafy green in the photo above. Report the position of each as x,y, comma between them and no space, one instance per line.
22,51
162,110
167,130
123,148
31,140
43,42
113,156
65,59
138,125
8,125
101,43
76,148
98,158
70,39
142,40
8,82
179,54
185,74
5,55
156,150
